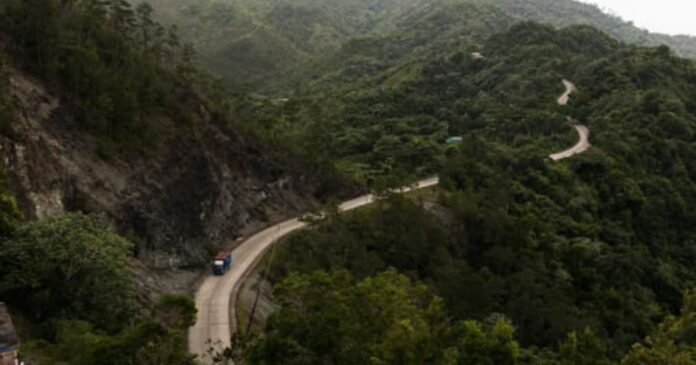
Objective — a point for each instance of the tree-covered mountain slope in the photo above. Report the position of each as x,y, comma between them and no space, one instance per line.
102,110
516,260
122,170
585,256
249,42
395,120
258,42
569,12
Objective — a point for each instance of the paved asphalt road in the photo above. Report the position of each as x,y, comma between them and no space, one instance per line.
214,297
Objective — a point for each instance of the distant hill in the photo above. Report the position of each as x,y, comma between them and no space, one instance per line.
246,42
602,240
255,43
570,12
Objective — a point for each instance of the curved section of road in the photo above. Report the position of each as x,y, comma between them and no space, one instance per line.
580,147
570,88
583,132
216,316
216,295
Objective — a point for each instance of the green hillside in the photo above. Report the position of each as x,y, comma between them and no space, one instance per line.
569,12
247,42
258,42
585,257
595,249
387,58
112,143
125,168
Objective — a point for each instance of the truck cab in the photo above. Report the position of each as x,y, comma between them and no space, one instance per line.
222,262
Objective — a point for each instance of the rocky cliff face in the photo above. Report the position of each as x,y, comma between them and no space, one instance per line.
194,193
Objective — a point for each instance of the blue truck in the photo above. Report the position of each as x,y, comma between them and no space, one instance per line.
222,262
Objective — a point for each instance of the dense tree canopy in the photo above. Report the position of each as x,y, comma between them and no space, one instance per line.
517,260
256,43
591,252
384,319
672,343
120,71
69,266
153,341
70,275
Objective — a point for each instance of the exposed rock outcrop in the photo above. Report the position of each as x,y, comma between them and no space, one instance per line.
194,192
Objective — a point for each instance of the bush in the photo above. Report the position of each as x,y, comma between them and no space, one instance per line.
69,266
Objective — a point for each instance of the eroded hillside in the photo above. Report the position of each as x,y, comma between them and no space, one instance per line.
141,139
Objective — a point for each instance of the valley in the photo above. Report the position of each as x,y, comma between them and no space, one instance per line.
299,35
138,140
215,297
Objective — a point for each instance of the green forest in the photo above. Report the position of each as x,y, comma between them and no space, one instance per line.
513,259
554,263
124,73
72,275
255,44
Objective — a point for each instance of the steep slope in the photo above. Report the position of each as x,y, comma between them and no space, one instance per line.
191,191
396,120
147,144
256,43
393,55
585,256
250,42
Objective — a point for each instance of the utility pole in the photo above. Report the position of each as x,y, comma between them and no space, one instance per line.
261,280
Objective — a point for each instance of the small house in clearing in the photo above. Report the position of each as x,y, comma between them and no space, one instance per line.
9,341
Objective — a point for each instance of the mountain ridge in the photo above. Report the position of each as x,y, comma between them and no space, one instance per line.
297,34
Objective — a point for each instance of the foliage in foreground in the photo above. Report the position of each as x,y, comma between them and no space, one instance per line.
330,318
70,275
69,266
157,340
384,319
672,343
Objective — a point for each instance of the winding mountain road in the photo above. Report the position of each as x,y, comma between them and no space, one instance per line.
570,88
215,297
583,133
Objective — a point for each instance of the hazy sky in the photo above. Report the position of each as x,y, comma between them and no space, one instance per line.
664,16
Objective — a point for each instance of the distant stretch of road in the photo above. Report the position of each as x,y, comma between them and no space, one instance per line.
570,88
583,133
215,296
